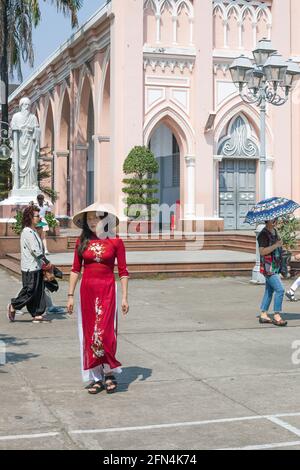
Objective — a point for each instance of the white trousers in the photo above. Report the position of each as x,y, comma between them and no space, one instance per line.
97,373
296,284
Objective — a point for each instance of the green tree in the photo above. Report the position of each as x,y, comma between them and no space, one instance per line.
140,189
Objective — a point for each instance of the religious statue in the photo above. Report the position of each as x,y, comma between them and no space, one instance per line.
26,147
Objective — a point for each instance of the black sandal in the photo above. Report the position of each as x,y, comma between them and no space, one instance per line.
280,322
95,387
110,380
265,320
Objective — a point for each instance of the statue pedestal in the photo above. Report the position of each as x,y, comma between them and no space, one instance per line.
18,199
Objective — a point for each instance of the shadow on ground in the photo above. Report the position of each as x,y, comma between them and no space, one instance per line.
12,357
132,374
291,316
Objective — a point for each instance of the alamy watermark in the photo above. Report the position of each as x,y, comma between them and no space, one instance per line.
2,353
296,353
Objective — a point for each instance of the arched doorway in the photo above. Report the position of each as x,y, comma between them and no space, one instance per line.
239,149
90,185
83,180
164,145
64,157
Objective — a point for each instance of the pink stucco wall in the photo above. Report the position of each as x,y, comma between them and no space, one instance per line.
170,68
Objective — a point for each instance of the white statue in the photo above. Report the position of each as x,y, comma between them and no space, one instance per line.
26,147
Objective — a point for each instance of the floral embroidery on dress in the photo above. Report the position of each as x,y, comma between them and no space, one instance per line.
97,339
98,249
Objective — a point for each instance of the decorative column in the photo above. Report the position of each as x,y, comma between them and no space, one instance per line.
80,175
157,17
191,21
190,210
217,160
254,32
240,25
269,177
175,20
225,25
61,183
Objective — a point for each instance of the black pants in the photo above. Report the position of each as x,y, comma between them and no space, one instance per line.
32,295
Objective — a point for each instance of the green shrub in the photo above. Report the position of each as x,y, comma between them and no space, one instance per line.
51,220
287,229
140,189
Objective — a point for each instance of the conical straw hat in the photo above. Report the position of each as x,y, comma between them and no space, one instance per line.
100,209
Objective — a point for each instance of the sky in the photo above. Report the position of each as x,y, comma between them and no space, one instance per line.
53,30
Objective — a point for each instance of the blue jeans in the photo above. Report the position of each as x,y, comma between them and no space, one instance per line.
273,284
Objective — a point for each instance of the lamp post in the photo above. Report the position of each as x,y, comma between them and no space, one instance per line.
269,80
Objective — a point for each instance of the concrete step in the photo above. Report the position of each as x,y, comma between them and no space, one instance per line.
218,242
171,269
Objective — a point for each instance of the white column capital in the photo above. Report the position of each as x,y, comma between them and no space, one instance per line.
270,162
190,160
62,153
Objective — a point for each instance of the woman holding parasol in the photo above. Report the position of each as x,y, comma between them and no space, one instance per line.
270,250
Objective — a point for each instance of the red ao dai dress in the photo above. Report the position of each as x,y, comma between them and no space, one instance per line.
97,305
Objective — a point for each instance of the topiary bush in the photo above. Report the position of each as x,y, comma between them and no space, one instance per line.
140,189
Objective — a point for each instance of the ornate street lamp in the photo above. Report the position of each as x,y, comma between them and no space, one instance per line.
270,79
5,151
262,52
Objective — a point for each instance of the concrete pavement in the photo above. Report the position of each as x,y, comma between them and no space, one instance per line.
199,372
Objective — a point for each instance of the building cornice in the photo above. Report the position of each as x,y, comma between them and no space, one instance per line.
64,51
169,57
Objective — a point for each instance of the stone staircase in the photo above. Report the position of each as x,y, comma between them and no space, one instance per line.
174,268
209,241
233,241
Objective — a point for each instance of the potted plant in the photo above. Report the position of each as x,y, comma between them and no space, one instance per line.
287,229
140,189
52,223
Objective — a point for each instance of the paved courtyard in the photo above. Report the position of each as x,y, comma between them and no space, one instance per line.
199,372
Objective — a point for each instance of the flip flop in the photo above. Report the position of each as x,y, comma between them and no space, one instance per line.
10,314
41,320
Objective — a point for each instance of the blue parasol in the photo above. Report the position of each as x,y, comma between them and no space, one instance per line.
269,209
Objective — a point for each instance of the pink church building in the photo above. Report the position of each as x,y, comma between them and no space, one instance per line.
156,73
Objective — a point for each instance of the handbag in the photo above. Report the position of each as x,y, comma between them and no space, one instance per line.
269,265
52,286
272,263
57,272
49,274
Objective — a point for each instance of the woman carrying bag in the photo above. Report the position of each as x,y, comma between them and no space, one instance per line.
270,249
33,266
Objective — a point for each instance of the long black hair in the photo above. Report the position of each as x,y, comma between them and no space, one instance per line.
87,234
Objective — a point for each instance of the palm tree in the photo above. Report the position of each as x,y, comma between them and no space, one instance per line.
17,19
